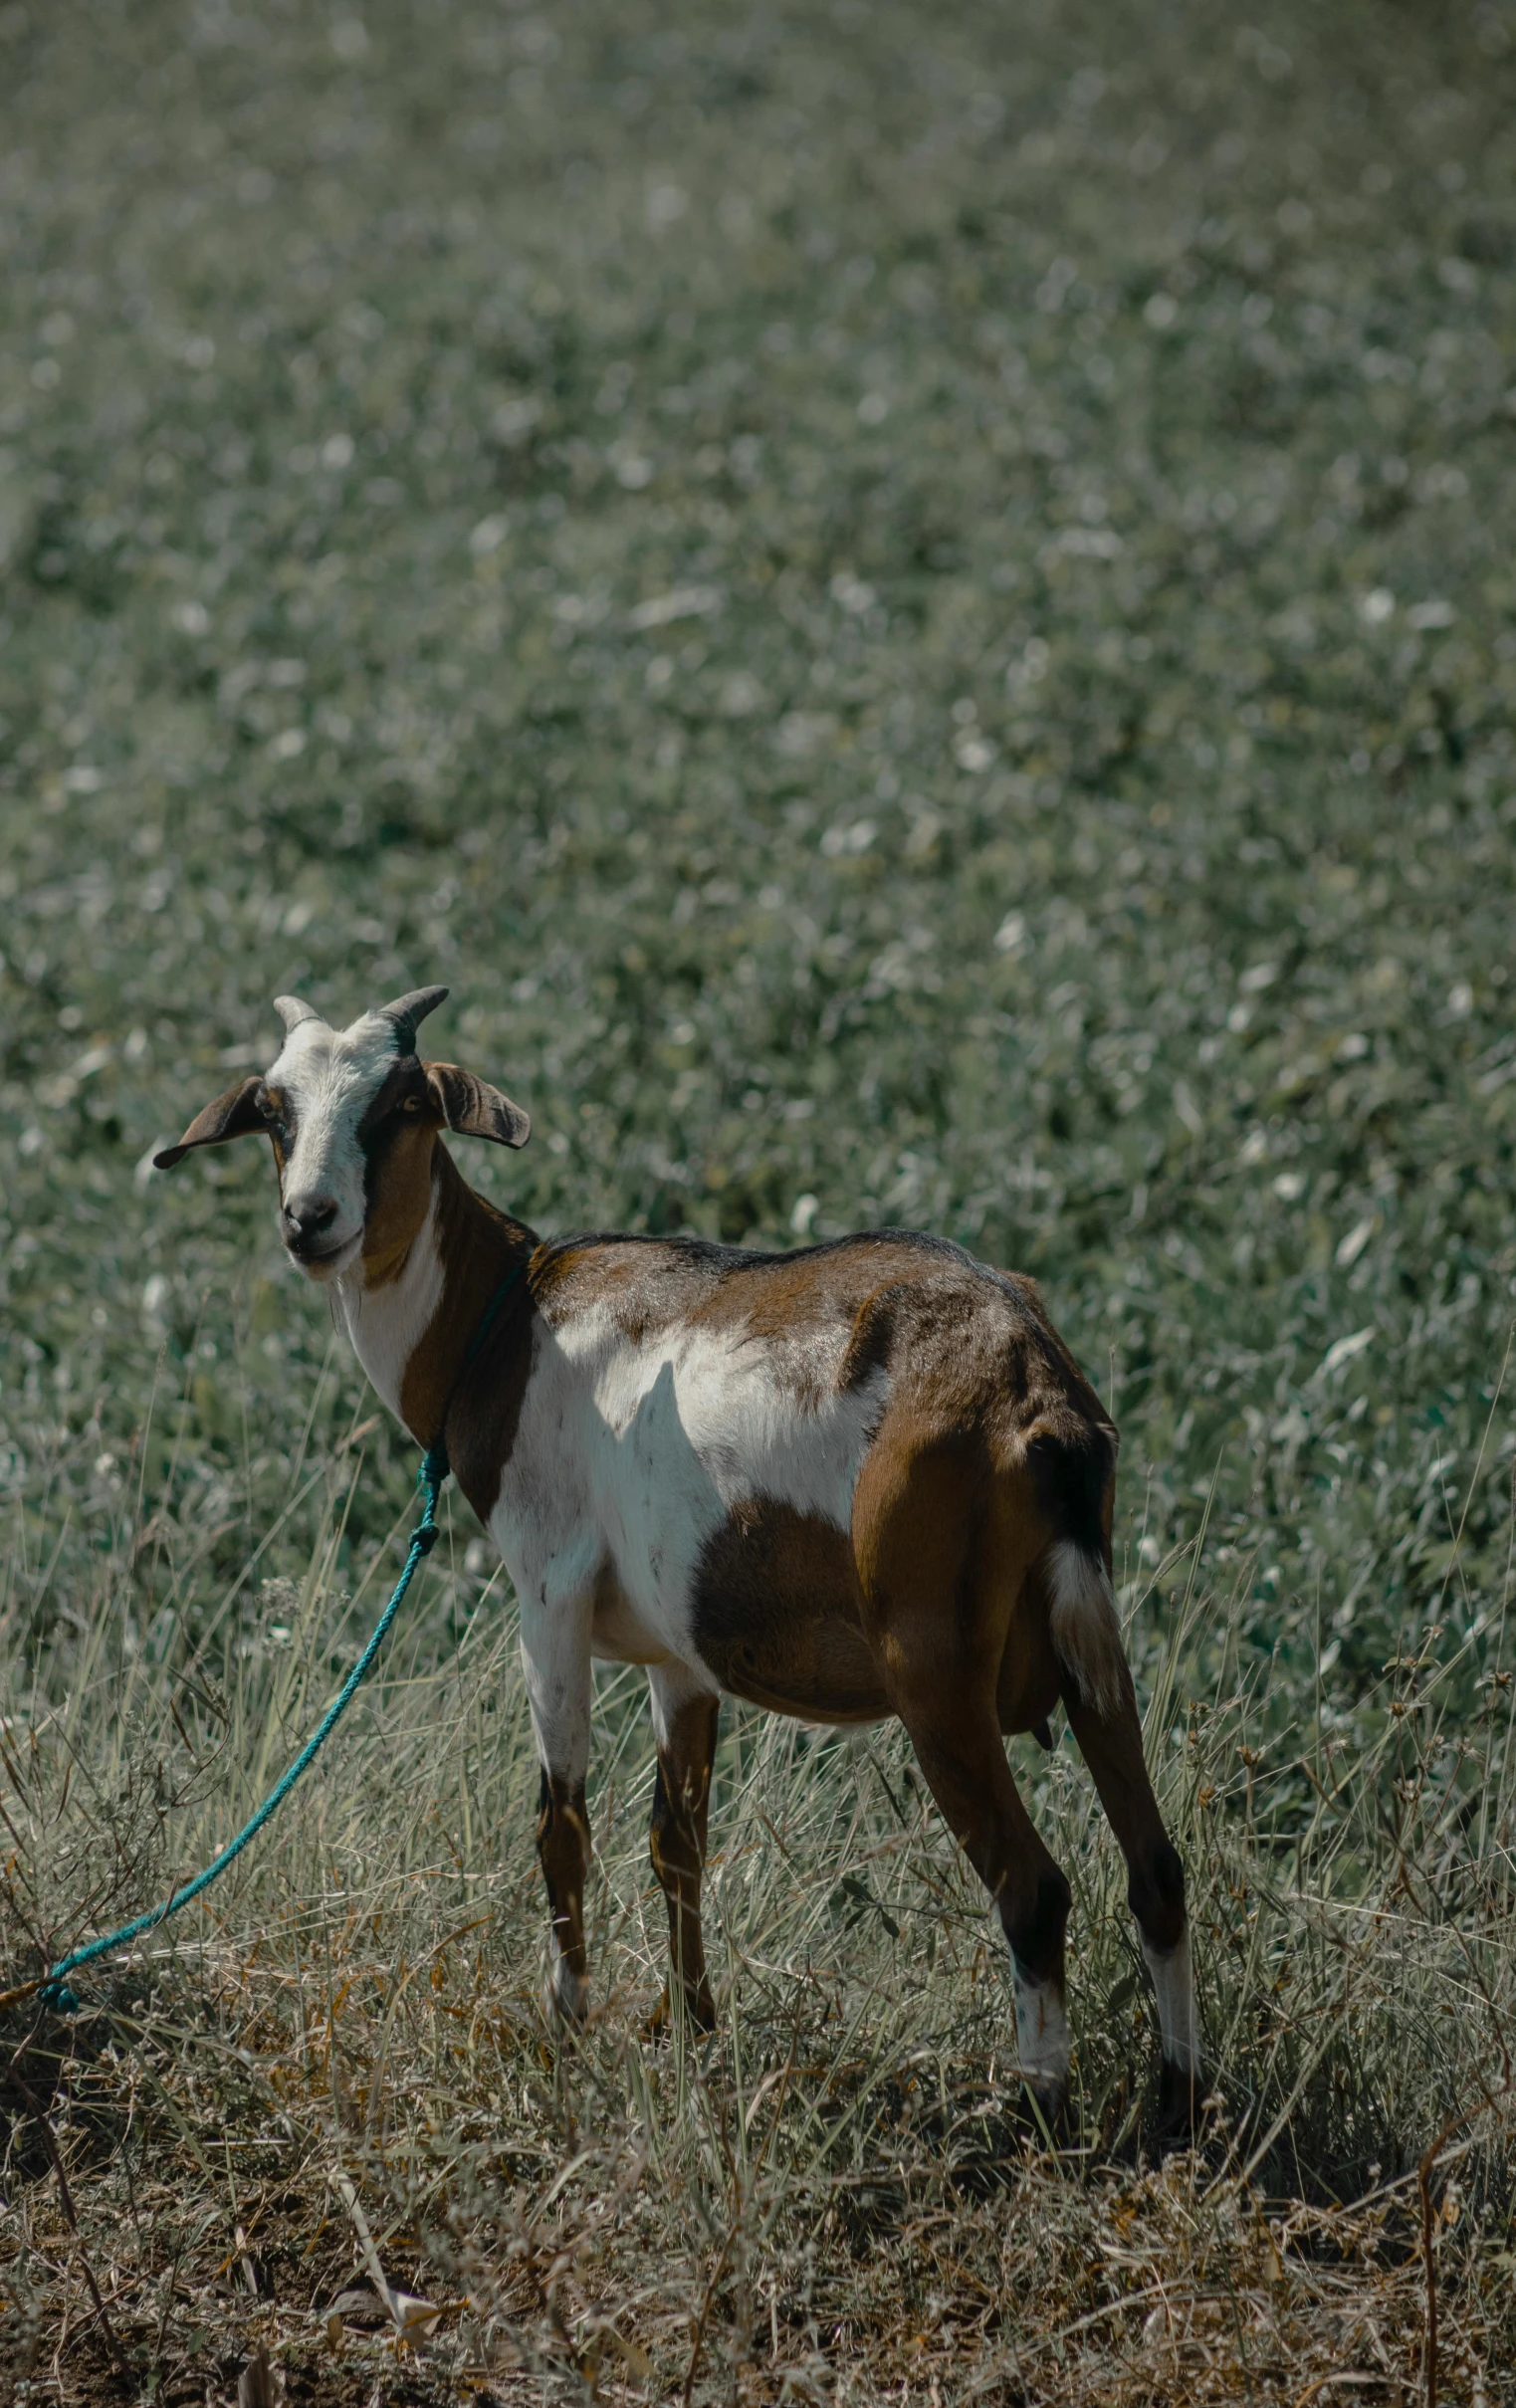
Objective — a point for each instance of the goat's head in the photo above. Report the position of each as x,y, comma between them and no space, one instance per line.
352,1116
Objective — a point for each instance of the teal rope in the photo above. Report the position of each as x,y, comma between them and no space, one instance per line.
53,1989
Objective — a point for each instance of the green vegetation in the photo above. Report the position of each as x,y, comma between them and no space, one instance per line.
916,608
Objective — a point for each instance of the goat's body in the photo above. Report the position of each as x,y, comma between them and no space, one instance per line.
653,1445
704,1440
699,1426
861,1479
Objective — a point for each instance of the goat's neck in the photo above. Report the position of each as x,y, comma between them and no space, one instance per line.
413,1333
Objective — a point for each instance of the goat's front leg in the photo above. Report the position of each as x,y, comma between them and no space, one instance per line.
684,1717
555,1656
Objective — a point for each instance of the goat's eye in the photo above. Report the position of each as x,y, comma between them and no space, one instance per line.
412,1104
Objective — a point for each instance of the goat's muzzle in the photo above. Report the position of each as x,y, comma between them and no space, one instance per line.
306,1224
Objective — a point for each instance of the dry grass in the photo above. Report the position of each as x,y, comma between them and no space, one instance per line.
915,605
340,2075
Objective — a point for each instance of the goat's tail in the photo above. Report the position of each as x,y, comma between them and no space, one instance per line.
1073,1463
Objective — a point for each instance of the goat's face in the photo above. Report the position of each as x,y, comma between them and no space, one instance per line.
353,1116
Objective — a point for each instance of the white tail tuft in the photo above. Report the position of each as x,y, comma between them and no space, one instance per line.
1085,1633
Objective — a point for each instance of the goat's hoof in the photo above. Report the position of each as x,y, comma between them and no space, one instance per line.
1180,2094
565,1998
700,2011
1046,2101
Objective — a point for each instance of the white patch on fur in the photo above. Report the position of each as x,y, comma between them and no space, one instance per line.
331,1077
387,1324
1174,1981
1085,1633
671,1687
567,1991
635,1453
554,1640
1042,2036
717,1393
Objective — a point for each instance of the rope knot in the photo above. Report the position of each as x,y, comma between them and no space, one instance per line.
425,1537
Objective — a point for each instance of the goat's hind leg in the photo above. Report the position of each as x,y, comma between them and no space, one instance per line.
914,1516
556,1658
1111,1742
685,1718
963,1760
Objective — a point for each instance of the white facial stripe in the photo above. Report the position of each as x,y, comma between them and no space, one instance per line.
331,1077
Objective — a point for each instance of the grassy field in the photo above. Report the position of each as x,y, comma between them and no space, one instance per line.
917,609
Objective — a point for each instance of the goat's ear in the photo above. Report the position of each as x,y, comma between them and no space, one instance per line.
475,1109
234,1114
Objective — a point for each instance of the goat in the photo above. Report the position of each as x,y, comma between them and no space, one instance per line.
861,1479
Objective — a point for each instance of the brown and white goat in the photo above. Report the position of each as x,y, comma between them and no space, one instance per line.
859,1479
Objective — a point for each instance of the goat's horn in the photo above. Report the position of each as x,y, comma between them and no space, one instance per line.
407,1011
291,1010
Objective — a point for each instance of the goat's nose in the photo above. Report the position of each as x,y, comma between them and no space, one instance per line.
306,1217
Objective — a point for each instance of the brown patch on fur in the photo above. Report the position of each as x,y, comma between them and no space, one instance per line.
777,1297
1113,1749
397,1133
563,1848
677,1845
276,1102
574,1273
823,1314
648,1285
975,1349
779,1617
831,1316
1030,1678
869,1341
940,1611
916,1511
479,1398
399,1196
